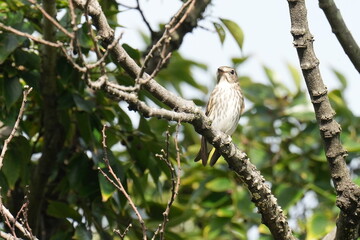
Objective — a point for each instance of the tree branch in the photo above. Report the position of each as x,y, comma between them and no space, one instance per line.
348,193
29,36
6,213
341,31
272,214
26,92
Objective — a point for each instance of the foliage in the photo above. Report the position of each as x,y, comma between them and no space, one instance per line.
278,131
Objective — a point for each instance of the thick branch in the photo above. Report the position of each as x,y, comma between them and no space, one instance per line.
53,131
340,30
272,214
348,193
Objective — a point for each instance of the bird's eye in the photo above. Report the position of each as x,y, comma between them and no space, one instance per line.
232,72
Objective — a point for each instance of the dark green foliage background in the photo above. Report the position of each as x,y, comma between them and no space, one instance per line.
278,132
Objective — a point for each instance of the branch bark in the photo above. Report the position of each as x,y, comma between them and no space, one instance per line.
272,214
341,31
348,193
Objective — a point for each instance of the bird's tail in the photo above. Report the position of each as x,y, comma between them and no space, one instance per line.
203,153
214,157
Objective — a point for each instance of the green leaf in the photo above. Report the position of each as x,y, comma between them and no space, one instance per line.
9,41
219,184
341,79
319,225
235,31
83,37
238,61
220,31
288,195
83,121
11,168
295,76
82,104
134,53
81,233
107,189
62,210
13,90
16,159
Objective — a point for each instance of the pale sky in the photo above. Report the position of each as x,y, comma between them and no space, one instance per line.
266,25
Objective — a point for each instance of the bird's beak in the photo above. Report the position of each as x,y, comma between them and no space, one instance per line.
220,72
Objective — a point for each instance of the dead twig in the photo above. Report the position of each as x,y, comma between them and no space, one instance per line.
175,180
51,19
117,183
122,235
163,42
12,223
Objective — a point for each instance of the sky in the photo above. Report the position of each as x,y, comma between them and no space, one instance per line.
268,42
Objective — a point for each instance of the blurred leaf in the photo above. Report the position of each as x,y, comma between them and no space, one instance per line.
219,184
134,53
319,225
220,31
84,38
350,144
257,92
82,104
238,61
288,195
295,76
279,89
13,90
341,79
235,31
62,210
9,41
16,159
84,126
107,189
81,233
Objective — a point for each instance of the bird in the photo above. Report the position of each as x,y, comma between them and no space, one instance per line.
224,108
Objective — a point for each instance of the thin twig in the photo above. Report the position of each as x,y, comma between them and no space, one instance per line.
35,39
175,180
52,20
117,183
26,92
9,218
144,18
122,235
191,4
169,28
73,23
